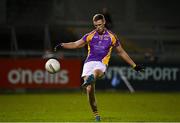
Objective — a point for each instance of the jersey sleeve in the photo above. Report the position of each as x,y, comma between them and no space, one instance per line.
84,38
116,42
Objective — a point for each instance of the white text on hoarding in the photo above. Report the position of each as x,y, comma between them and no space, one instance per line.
27,76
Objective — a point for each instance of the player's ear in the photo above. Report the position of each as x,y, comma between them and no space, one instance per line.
104,21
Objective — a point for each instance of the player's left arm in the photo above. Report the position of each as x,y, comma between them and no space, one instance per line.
123,54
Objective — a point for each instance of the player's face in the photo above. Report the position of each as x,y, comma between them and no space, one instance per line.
99,25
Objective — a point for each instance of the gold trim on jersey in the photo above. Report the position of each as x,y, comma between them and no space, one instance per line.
88,39
90,36
105,60
113,38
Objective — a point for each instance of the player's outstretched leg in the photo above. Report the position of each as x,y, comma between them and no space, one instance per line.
90,79
92,100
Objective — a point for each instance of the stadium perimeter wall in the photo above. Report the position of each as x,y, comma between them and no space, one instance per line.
29,73
156,77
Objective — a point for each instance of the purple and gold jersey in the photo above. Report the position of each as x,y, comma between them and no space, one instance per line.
100,46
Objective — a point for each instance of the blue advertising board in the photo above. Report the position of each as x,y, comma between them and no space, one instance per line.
155,77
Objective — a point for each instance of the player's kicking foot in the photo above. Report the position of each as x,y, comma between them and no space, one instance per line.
89,81
97,119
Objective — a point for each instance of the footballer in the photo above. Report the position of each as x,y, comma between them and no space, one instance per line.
100,43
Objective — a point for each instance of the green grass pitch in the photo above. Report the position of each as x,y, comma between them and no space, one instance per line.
74,107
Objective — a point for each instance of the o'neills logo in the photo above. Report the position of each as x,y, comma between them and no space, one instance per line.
27,76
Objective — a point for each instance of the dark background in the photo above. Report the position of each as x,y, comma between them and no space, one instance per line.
147,29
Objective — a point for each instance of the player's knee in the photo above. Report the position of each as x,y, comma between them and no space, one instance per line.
89,88
98,73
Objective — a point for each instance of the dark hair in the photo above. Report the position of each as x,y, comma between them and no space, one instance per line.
98,17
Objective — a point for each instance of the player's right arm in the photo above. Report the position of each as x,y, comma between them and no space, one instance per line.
73,45
77,44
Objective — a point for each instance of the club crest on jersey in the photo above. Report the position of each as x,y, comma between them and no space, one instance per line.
106,36
106,39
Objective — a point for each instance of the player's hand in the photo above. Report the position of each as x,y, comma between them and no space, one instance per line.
55,49
58,46
139,68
